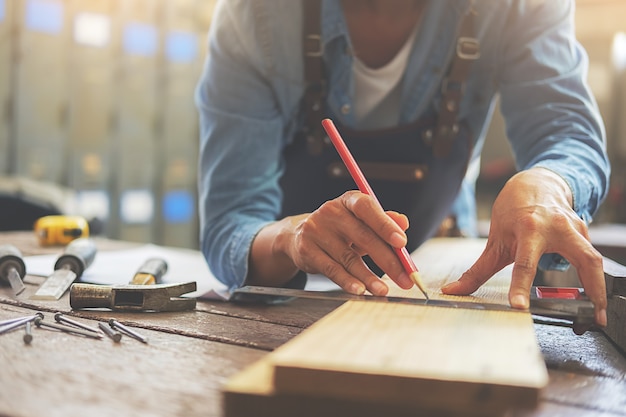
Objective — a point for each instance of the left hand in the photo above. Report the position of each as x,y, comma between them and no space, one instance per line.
531,216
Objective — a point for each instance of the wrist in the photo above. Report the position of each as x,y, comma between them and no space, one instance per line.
269,262
553,183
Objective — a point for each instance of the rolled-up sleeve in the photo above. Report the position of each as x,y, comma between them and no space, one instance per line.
240,143
552,119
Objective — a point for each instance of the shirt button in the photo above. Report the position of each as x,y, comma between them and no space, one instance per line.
345,109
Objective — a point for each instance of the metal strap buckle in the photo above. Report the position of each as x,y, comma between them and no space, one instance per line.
314,46
468,48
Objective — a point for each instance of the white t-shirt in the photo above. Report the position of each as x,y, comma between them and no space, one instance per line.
377,92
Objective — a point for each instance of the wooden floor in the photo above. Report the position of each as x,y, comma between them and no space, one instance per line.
191,355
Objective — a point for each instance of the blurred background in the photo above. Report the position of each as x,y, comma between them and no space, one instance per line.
97,116
96,97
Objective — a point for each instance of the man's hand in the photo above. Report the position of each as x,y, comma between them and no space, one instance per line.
531,216
332,241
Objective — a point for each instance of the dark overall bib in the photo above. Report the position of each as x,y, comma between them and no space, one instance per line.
415,169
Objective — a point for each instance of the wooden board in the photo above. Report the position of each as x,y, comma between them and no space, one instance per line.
433,357
414,357
252,393
443,260
60,375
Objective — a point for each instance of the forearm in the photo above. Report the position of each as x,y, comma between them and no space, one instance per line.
551,116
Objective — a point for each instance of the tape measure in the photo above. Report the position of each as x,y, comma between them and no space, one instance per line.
60,230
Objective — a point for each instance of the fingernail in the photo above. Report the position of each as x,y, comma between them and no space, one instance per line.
519,301
398,240
404,281
448,287
378,288
601,319
356,288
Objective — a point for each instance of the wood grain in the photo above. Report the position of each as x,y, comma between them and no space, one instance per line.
439,358
192,355
60,375
415,357
444,260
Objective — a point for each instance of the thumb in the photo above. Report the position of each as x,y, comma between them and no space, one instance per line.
484,268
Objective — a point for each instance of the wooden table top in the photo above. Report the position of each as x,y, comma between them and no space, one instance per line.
190,355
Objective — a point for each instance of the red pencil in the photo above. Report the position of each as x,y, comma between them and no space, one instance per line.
364,187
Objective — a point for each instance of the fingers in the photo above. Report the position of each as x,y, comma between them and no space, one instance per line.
372,215
589,266
378,233
345,276
524,272
341,263
591,274
490,261
326,244
400,219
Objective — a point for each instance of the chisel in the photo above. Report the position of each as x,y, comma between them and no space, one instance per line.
12,268
77,257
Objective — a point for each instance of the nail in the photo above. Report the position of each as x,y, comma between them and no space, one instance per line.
40,323
397,240
9,321
519,301
601,319
116,336
14,324
117,325
357,288
379,288
62,319
28,333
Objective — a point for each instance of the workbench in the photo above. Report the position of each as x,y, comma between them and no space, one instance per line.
190,355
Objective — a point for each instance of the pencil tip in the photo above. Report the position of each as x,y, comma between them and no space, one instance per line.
415,276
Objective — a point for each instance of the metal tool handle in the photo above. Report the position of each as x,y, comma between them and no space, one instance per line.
150,272
77,257
11,258
90,296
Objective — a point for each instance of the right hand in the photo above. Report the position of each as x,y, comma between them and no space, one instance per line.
333,239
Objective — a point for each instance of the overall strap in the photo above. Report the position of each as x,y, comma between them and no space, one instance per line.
315,93
453,86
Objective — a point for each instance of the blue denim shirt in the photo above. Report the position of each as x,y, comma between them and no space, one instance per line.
252,83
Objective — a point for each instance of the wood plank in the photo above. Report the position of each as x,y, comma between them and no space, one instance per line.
374,352
586,379
443,260
252,393
416,356
60,375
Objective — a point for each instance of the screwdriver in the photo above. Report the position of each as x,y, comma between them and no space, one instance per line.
150,272
77,257
12,268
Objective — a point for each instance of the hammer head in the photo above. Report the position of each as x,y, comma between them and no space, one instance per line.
158,297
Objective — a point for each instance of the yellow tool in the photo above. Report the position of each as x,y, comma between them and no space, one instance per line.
60,230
